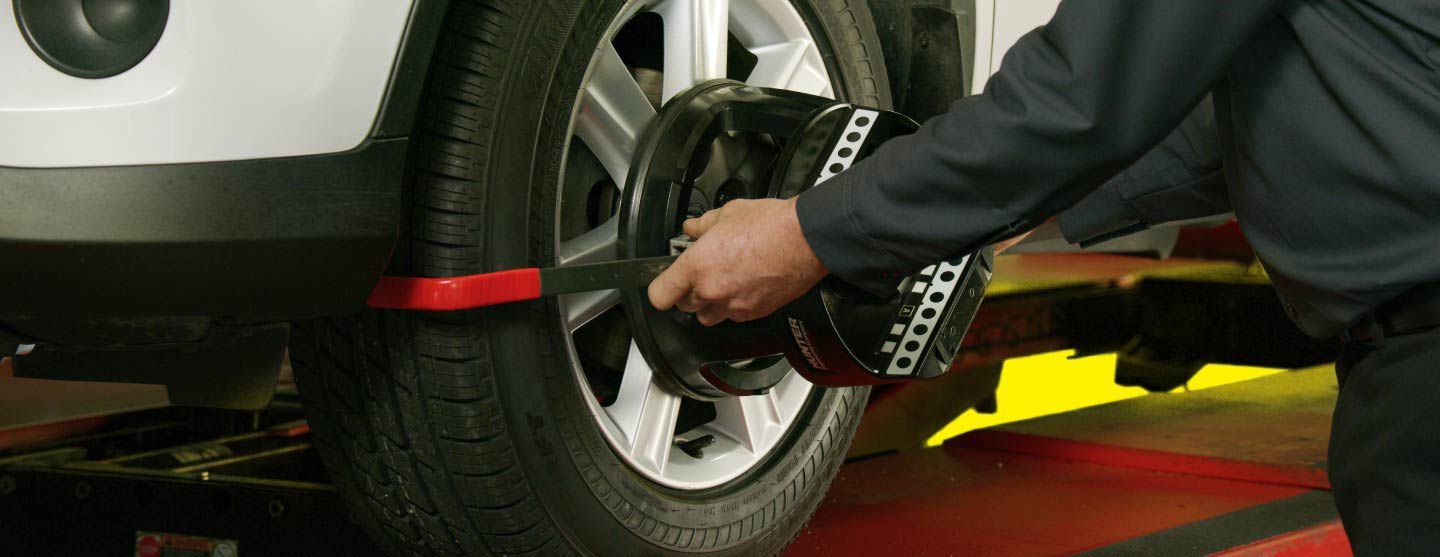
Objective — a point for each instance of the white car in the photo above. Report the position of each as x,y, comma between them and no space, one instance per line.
188,188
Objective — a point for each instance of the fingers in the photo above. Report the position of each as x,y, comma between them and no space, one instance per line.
667,291
738,311
671,286
690,303
697,227
711,315
674,288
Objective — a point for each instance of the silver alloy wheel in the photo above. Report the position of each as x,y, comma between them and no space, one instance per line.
611,112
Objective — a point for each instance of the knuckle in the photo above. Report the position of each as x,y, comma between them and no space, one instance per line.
709,293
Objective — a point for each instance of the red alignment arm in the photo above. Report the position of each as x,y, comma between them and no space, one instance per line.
456,293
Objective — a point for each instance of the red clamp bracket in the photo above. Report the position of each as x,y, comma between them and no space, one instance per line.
456,293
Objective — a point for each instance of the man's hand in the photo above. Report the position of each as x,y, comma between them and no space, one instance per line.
1050,229
1003,245
749,259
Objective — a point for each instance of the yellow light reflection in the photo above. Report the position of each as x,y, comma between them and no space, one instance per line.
1052,383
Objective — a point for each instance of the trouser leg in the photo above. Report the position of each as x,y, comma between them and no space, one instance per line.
1385,445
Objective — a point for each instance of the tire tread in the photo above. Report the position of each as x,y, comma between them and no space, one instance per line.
403,406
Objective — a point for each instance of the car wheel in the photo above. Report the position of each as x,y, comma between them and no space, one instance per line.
538,427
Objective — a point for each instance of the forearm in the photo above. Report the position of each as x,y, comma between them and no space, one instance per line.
1073,104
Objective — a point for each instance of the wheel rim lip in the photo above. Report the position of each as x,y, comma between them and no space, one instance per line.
727,454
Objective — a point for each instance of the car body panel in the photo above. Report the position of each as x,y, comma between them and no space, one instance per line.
1013,19
1000,24
227,81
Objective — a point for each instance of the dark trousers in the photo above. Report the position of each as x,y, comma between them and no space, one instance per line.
1385,445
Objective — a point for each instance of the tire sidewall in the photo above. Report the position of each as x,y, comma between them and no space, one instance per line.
591,495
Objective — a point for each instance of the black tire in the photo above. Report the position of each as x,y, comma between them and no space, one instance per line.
466,434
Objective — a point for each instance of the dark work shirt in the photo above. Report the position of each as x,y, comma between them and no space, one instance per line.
1181,178
1328,118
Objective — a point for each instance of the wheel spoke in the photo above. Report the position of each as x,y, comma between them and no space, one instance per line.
697,35
790,394
582,308
789,65
645,413
613,112
596,246
751,421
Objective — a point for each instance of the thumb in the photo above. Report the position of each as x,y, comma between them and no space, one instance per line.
697,227
672,285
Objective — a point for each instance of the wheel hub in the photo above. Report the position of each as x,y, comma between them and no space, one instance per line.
716,142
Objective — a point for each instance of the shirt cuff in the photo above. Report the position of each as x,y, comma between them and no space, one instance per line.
1101,215
837,239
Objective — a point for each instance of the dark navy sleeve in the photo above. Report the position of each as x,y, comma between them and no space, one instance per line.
1074,103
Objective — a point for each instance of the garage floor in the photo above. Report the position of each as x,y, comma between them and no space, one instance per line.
1238,469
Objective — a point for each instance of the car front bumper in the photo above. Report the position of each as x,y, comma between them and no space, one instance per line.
267,239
